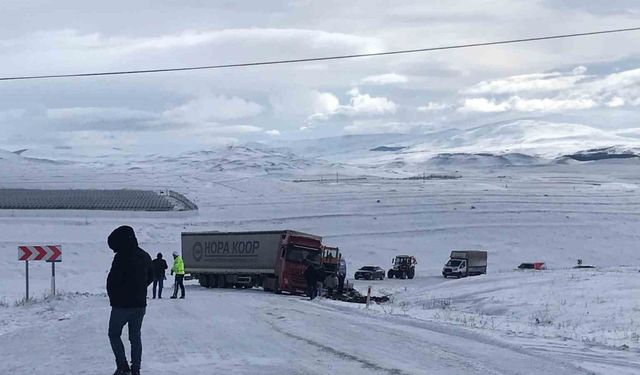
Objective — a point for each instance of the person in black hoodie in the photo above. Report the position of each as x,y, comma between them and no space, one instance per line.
159,266
130,275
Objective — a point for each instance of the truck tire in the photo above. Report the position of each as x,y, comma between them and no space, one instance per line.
207,280
390,274
222,283
412,273
203,280
382,276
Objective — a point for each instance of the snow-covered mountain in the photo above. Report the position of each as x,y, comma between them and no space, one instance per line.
532,137
521,142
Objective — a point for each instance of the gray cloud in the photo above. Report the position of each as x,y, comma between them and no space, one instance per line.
398,93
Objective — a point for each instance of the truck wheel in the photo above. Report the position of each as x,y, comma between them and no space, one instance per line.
203,281
412,273
207,281
390,274
222,283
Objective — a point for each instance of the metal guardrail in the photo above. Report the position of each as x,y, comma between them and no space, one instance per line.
189,205
84,199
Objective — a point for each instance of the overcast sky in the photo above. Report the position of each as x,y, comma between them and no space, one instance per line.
593,81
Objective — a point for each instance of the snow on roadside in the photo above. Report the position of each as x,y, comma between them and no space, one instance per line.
593,306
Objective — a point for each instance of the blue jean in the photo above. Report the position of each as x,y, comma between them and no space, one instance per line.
133,318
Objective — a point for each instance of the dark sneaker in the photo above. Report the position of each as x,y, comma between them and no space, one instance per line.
181,297
123,370
173,297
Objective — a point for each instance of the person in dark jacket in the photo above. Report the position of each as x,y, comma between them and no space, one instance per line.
159,266
311,277
130,275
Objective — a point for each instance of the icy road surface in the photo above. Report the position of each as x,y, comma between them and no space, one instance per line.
252,332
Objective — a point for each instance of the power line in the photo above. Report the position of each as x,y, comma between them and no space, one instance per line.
322,58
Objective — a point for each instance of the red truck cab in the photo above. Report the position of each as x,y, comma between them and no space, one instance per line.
297,249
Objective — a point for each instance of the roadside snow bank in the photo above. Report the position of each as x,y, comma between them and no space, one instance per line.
592,306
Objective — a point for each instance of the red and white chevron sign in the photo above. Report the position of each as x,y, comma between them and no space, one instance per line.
47,253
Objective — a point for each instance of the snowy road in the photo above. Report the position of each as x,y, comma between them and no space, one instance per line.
251,332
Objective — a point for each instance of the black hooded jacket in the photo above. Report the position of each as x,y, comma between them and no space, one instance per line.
131,271
159,265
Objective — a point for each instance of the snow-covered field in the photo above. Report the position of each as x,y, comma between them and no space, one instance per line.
507,322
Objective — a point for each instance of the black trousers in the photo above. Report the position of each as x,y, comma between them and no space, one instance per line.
312,290
159,284
179,283
132,317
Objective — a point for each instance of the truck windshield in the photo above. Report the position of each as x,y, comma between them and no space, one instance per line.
453,263
301,254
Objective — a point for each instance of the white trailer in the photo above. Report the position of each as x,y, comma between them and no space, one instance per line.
466,263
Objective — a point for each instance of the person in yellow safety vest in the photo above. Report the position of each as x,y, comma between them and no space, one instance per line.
178,269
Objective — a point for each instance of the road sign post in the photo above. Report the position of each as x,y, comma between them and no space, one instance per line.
26,272
47,253
53,275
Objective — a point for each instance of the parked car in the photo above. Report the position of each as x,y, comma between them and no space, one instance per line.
533,266
370,273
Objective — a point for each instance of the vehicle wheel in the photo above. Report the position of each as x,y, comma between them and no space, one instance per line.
390,274
412,273
222,283
202,280
382,277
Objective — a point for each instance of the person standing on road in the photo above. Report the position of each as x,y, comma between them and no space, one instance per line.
130,275
331,283
159,266
178,269
321,275
311,277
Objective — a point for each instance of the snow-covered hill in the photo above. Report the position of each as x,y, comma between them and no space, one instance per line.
520,142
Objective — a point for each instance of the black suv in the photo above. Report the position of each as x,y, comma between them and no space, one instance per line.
370,273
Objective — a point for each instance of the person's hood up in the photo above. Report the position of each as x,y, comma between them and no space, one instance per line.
123,239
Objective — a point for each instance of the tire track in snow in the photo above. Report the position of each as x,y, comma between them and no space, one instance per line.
338,353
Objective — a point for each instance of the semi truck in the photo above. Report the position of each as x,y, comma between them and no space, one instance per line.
274,260
466,263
